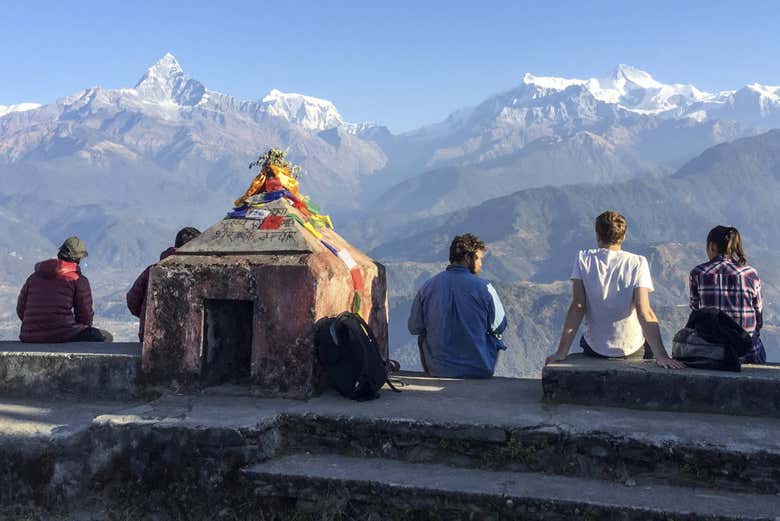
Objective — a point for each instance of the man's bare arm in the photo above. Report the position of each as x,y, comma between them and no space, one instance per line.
572,323
649,322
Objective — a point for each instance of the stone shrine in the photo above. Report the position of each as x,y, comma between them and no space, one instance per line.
239,303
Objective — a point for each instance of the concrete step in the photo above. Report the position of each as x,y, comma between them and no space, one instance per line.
397,490
500,424
641,384
97,370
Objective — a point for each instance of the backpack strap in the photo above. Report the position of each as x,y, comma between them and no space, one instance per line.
392,382
362,323
393,367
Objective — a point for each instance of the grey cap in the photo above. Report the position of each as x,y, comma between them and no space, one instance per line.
73,249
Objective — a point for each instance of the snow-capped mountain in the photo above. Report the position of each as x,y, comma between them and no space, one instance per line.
165,82
18,107
173,125
178,125
306,111
637,91
631,89
663,123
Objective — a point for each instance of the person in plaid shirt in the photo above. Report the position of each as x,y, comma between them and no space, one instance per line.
728,283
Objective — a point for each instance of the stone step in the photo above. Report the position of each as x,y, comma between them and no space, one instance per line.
96,370
500,424
392,489
641,384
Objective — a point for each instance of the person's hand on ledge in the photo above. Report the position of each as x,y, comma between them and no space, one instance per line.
669,363
555,357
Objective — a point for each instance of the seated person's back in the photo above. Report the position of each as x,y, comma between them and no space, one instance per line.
136,296
611,324
610,291
728,283
459,317
55,303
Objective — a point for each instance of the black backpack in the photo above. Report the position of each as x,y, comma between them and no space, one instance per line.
696,352
348,350
712,340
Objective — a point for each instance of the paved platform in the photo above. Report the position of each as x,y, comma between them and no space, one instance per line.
487,429
499,424
93,370
642,384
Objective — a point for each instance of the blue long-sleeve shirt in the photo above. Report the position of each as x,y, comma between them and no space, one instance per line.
460,318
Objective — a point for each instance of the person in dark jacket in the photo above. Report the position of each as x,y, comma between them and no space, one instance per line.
136,297
55,303
458,316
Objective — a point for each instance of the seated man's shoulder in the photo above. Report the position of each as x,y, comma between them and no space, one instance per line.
453,279
586,254
430,284
632,258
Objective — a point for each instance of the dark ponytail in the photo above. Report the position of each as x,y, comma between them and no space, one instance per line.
728,242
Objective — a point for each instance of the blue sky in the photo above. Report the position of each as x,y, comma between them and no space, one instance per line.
398,63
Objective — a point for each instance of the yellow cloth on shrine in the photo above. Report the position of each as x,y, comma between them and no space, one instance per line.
287,180
321,221
314,232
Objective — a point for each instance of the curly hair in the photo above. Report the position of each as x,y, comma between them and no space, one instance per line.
611,228
465,247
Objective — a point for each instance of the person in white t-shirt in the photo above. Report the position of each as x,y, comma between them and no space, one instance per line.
610,290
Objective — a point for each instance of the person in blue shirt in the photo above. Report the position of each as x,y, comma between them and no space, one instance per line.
458,317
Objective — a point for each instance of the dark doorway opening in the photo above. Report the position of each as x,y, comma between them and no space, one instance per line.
227,341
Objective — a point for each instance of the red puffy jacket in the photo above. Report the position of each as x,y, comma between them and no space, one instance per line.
136,297
55,304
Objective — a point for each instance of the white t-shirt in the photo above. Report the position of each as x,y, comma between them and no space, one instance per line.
610,277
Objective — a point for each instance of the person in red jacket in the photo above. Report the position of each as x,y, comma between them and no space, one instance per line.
136,297
55,304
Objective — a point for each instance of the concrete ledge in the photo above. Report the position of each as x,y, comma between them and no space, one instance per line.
79,369
641,384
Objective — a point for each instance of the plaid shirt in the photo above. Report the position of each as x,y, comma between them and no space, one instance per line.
735,290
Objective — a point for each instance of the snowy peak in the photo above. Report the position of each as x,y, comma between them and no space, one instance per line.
306,111
166,91
630,88
769,92
166,67
550,82
166,82
633,77
19,107
166,70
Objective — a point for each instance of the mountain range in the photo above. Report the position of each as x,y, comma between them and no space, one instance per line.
526,169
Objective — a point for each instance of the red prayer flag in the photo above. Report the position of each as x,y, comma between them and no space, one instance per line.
272,222
357,278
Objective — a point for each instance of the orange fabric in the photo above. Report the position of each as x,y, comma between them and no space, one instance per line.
255,188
